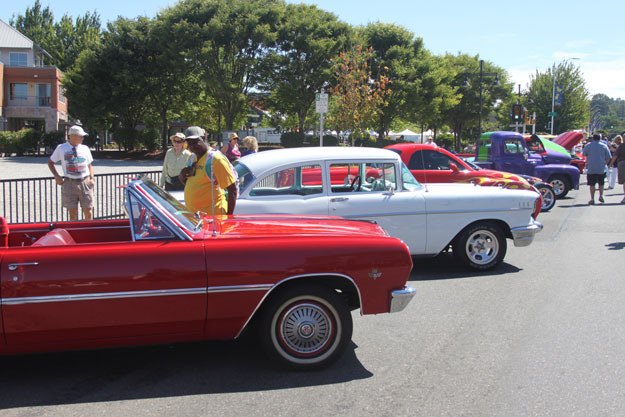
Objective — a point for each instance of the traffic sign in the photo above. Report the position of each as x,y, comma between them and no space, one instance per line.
321,102
552,114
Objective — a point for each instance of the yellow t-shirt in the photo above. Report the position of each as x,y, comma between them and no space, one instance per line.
197,190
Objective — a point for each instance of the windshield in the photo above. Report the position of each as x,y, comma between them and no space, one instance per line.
410,182
165,200
245,176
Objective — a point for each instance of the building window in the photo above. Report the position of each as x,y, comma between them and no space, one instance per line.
18,91
43,95
62,98
18,59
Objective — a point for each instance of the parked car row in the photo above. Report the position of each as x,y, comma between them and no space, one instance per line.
324,231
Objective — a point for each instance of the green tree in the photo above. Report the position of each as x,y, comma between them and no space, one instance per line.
63,40
464,118
398,56
573,112
308,39
108,84
225,40
357,95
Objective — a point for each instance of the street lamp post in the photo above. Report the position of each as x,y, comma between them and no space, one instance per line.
481,76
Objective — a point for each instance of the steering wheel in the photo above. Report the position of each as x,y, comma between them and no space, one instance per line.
353,183
144,223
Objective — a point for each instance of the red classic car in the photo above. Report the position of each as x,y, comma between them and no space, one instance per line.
433,164
167,275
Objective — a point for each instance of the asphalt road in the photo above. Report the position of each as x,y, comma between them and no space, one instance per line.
543,335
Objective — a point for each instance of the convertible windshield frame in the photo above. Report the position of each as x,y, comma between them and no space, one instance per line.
169,211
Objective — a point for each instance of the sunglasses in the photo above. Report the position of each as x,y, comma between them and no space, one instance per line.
178,141
74,152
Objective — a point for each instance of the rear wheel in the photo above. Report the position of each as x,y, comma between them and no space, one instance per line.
548,195
306,327
561,185
480,246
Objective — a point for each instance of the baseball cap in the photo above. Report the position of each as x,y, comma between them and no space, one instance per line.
233,135
77,130
194,132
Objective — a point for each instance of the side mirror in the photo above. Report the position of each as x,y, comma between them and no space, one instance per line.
454,168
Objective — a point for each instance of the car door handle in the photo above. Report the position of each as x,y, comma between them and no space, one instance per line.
337,199
13,267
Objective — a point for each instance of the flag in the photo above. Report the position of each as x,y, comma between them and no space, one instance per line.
557,94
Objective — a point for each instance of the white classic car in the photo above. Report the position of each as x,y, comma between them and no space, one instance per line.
374,184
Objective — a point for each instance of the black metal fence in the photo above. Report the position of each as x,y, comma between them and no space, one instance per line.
39,199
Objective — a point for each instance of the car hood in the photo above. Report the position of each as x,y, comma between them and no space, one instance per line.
280,225
468,196
568,140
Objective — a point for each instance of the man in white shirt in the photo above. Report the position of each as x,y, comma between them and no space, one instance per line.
77,181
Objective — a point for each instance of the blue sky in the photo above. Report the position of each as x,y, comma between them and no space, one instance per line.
519,36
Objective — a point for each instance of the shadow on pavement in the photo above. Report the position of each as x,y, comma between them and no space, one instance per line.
445,266
156,372
615,246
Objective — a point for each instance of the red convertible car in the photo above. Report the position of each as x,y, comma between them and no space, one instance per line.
167,275
433,164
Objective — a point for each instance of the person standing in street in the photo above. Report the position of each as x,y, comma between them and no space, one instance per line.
208,177
618,162
613,168
77,181
176,158
597,157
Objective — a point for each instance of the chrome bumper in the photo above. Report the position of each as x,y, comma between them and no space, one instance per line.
401,298
523,236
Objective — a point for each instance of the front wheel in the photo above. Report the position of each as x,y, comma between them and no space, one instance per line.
480,246
560,185
306,327
548,195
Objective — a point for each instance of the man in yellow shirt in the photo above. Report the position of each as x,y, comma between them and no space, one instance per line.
206,179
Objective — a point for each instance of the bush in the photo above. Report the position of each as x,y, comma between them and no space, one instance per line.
20,142
150,139
52,139
292,139
328,140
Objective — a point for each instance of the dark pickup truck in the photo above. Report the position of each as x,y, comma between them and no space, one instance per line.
509,151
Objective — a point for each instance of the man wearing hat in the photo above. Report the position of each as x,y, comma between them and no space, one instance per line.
77,181
206,179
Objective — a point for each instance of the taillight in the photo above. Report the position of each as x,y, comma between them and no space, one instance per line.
538,205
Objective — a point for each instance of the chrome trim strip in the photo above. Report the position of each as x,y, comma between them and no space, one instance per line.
133,294
239,288
100,296
277,284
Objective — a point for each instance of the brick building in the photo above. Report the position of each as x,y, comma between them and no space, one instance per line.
31,94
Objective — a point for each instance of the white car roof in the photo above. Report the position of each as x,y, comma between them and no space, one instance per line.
262,161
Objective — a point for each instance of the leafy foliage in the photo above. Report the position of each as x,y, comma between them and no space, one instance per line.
573,113
358,94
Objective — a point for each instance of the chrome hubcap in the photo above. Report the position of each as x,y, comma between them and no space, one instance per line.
558,187
305,328
482,247
548,197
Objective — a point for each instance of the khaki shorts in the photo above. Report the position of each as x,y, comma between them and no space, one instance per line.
75,191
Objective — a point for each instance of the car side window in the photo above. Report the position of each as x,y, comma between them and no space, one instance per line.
363,177
429,160
513,146
300,180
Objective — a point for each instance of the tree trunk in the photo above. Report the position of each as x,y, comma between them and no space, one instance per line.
164,127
